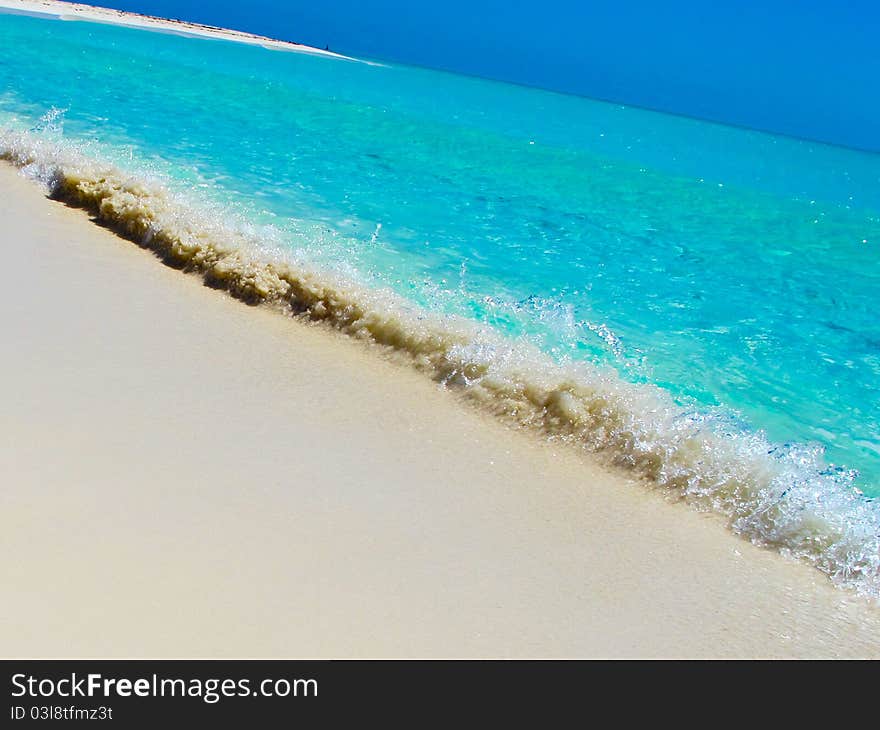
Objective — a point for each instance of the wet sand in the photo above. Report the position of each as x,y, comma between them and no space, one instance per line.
184,475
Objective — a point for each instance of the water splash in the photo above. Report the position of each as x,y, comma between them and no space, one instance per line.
780,495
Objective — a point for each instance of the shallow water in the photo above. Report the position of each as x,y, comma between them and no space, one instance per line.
735,270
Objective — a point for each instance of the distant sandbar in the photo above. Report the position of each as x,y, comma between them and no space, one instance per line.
76,11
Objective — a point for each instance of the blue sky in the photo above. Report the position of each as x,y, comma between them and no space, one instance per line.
807,68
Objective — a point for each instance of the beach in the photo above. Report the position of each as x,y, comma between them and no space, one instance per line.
76,11
187,476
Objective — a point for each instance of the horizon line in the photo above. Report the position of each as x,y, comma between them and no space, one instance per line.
439,69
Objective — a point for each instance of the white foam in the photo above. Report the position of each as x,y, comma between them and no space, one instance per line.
779,495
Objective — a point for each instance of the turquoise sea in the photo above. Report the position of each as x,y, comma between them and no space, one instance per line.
695,301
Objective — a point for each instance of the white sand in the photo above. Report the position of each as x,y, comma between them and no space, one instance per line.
183,475
76,11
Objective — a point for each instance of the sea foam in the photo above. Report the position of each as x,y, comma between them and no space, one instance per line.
778,495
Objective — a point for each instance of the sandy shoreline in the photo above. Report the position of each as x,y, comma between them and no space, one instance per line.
75,11
184,475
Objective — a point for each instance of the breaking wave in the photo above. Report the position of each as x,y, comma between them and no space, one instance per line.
779,495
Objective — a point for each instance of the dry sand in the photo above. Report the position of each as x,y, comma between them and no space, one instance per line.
76,11
183,475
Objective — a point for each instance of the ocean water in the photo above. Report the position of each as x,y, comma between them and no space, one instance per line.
694,301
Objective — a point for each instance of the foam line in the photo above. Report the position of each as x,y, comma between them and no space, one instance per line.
778,495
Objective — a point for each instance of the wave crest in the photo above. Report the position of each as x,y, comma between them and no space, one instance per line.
778,495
